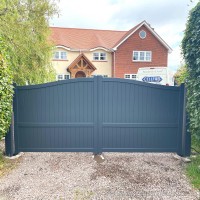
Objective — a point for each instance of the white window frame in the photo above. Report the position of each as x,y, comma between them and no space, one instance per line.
141,34
64,77
58,55
104,76
130,76
99,56
141,58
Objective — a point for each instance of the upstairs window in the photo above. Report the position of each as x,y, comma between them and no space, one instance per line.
144,56
60,55
99,56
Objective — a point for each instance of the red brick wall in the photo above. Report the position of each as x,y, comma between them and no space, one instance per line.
123,56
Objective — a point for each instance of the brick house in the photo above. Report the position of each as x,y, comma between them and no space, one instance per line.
89,52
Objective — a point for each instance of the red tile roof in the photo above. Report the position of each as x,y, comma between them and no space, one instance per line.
85,38
128,33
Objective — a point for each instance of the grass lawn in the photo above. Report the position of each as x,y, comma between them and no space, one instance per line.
193,168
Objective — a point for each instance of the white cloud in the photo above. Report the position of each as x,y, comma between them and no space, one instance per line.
84,14
175,59
168,17
173,35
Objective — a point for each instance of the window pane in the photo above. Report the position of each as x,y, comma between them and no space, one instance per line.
148,55
142,34
56,55
60,77
102,56
141,55
95,56
135,55
133,76
127,76
63,55
66,76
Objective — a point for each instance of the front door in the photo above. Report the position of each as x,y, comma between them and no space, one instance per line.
80,74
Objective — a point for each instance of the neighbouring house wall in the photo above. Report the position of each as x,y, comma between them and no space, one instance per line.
124,63
102,67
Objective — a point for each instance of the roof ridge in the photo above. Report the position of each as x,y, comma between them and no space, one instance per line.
128,32
82,38
86,29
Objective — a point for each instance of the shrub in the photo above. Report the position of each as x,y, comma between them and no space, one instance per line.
191,53
6,90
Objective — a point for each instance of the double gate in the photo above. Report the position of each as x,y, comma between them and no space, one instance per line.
98,115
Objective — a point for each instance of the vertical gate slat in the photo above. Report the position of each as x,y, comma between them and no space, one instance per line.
95,111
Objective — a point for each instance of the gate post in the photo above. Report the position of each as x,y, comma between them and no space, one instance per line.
9,138
97,114
187,151
185,137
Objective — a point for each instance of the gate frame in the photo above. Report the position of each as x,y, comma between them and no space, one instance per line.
184,147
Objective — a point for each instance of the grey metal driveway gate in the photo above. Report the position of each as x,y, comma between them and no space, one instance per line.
98,115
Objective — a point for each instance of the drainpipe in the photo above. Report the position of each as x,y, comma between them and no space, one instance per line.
113,64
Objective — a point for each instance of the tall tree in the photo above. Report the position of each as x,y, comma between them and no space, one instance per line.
25,49
191,53
24,27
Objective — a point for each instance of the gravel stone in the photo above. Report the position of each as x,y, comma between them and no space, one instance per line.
74,176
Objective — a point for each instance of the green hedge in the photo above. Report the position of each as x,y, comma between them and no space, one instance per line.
6,90
191,53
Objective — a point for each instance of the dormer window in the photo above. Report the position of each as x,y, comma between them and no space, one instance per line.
99,56
60,55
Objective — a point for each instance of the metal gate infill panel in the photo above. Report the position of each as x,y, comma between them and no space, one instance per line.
124,131
50,130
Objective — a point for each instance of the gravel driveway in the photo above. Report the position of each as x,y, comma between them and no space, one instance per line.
77,176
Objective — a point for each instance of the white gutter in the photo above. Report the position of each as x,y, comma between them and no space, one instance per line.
84,50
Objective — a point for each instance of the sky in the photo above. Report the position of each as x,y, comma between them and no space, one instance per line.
167,17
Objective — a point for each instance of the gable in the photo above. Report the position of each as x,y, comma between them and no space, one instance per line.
81,63
136,30
134,42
